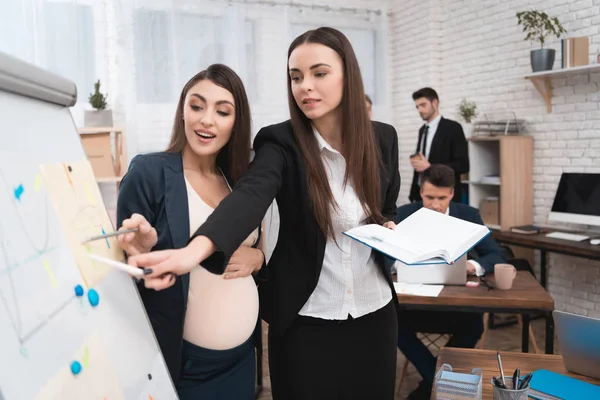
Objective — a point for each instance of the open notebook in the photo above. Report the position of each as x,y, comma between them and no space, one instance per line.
425,237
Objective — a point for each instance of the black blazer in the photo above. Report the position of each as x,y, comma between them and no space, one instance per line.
154,187
278,172
449,147
487,252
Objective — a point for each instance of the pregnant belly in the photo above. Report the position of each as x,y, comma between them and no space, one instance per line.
221,314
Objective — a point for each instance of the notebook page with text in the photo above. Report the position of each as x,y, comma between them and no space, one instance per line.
402,245
435,231
386,241
424,237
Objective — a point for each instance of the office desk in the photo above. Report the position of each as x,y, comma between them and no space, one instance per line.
464,360
545,244
526,296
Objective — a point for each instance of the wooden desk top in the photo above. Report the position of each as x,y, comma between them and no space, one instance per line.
540,241
464,360
526,293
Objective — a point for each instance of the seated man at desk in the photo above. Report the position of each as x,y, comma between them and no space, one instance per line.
437,190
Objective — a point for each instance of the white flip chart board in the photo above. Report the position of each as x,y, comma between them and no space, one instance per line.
54,343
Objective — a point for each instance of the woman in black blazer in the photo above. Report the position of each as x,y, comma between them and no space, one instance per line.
206,345
329,300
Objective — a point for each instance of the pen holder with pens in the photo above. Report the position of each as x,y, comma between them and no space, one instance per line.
509,394
450,385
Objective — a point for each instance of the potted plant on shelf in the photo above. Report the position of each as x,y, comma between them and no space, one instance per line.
99,116
539,26
468,112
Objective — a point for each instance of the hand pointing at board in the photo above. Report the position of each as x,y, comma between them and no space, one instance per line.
160,265
139,242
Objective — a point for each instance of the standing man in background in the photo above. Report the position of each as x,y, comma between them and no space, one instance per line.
441,141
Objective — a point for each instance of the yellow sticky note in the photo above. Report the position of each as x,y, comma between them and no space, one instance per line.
86,357
88,193
50,274
89,251
38,183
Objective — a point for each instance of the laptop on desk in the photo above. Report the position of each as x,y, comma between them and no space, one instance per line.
579,343
433,274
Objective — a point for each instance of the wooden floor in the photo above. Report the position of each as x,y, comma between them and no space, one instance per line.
506,338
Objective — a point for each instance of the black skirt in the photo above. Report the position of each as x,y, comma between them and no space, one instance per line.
336,360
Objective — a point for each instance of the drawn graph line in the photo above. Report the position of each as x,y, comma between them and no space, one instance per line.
89,216
17,264
16,320
45,322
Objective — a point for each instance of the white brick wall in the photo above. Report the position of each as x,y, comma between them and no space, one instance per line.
415,62
474,49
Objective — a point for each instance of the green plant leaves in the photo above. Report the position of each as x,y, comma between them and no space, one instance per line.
467,110
539,26
97,99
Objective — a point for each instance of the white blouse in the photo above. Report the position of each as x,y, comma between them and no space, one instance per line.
350,282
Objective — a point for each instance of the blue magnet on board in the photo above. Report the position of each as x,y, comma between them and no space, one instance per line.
93,297
18,192
75,367
78,291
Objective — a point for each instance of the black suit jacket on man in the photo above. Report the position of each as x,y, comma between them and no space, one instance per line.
154,187
449,147
487,252
278,172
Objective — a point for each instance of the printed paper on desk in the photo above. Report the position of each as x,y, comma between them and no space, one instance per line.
425,237
417,289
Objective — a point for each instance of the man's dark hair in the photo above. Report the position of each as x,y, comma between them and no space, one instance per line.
368,99
427,92
439,175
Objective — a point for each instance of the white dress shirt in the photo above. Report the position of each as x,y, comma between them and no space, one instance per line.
350,282
433,126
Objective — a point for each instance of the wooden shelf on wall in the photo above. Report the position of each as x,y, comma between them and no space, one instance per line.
542,80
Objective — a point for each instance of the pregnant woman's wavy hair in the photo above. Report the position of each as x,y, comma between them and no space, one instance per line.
233,159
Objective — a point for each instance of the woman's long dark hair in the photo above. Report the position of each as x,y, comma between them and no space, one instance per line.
358,139
234,157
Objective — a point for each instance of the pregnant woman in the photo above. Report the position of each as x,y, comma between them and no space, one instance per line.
204,322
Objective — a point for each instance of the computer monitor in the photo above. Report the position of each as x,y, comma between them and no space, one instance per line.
577,199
